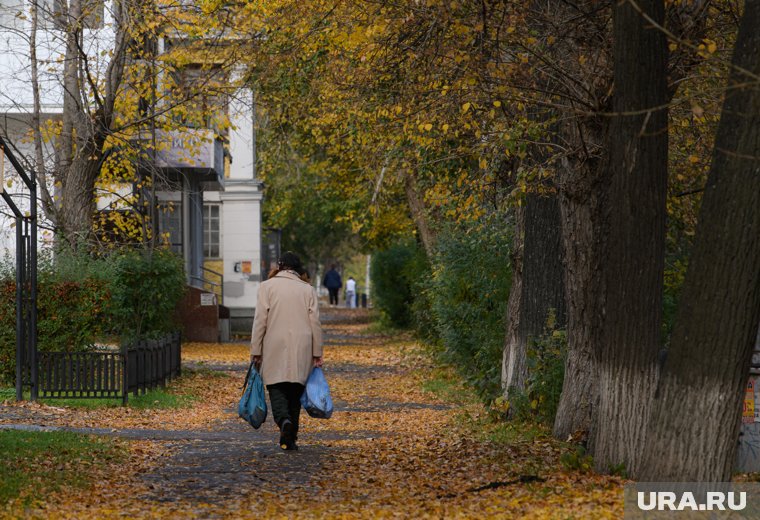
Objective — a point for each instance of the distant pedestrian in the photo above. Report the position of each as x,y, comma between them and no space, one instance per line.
333,282
286,341
351,292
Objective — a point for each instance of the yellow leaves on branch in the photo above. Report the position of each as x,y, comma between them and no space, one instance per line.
345,82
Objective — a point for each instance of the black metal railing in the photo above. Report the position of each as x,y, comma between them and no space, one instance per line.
136,368
152,363
207,284
80,375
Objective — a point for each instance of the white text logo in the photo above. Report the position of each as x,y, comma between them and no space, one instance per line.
669,501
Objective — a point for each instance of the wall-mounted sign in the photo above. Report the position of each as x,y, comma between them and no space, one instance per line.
243,267
208,299
196,148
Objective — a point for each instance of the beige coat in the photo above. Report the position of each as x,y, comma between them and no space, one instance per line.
286,330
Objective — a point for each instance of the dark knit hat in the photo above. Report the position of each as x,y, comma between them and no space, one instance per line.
290,260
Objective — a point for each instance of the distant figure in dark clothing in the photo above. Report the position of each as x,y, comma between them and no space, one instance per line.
333,282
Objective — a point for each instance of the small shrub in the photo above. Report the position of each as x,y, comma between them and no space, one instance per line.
468,297
83,299
146,289
394,273
577,460
546,357
618,470
546,373
72,311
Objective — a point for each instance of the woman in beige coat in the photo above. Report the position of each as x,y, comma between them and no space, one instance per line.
286,341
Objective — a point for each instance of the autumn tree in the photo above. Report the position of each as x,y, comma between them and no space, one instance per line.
634,241
429,146
716,324
89,103
428,109
577,58
115,91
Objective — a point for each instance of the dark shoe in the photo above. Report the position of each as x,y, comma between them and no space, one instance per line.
287,435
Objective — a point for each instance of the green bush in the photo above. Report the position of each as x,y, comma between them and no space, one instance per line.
459,303
468,297
146,289
73,307
82,299
394,273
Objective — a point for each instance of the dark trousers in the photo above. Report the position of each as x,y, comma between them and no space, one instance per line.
286,402
333,295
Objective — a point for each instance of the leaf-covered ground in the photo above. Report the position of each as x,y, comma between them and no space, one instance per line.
405,441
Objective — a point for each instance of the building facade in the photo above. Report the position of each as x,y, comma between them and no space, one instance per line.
208,203
214,221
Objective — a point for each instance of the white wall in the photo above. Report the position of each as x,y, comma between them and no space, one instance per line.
16,95
242,143
241,241
15,67
241,209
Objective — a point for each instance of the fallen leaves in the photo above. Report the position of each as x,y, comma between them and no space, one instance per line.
390,450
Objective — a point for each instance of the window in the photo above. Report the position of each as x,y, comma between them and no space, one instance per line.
170,224
211,231
55,12
205,87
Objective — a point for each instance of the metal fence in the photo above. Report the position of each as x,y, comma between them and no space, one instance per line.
136,369
150,364
80,374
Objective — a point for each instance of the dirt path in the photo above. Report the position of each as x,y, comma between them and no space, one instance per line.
391,449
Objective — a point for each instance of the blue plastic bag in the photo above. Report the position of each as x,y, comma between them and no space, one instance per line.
316,398
252,407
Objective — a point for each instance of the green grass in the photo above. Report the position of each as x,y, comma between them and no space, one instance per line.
447,386
7,393
160,398
201,370
515,432
378,324
34,464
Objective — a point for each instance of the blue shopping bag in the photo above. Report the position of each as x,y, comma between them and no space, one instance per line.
252,407
316,398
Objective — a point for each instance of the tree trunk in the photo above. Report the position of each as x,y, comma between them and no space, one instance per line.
78,199
537,284
514,351
634,243
579,177
697,407
419,215
579,205
85,124
39,159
